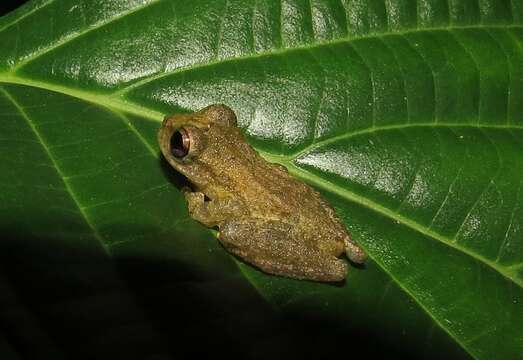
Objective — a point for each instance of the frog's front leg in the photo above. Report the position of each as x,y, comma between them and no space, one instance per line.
209,212
272,246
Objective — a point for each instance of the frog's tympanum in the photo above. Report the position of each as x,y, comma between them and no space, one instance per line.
263,214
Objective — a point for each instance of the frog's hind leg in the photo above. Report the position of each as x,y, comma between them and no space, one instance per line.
271,246
353,251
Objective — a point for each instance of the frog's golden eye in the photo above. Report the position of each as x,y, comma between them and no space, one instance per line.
180,143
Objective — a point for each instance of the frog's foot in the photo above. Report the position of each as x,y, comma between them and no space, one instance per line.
354,252
270,246
199,209
210,212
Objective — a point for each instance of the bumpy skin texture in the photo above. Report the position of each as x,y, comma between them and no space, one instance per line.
264,215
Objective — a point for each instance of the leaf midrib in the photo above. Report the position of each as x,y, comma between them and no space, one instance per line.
254,55
354,197
133,84
117,100
122,107
67,38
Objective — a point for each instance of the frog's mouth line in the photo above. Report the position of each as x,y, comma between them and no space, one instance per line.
174,176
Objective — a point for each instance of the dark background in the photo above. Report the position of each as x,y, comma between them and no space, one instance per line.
7,5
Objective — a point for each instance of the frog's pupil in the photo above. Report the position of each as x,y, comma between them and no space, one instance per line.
179,144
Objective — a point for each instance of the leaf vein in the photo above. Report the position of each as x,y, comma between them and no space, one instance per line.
74,36
476,65
509,227
30,12
57,168
432,74
351,196
509,72
376,129
133,84
484,190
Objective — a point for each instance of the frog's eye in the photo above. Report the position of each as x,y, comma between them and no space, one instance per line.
180,143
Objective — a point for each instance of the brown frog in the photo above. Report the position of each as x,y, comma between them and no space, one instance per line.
264,215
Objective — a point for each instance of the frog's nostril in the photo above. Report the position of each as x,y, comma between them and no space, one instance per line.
180,143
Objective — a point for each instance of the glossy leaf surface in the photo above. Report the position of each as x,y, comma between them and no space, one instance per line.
407,115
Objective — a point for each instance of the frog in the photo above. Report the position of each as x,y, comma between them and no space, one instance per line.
263,215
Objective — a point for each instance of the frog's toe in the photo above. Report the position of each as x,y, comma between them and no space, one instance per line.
354,252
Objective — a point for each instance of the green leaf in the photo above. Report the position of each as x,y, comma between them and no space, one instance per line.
407,115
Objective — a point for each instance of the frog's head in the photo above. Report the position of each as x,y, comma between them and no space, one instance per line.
182,137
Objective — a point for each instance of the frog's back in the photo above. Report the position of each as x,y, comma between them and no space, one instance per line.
274,193
267,190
